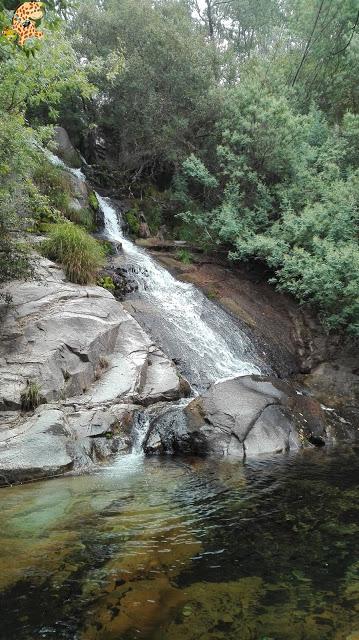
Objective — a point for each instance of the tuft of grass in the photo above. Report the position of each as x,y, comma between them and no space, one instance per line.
30,396
93,202
103,364
184,256
212,294
83,217
80,255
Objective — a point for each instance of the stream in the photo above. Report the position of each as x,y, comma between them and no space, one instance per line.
185,549
204,340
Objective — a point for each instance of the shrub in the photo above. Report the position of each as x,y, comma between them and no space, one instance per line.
79,254
107,283
133,222
184,256
30,396
53,182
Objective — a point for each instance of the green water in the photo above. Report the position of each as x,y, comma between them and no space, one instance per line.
185,550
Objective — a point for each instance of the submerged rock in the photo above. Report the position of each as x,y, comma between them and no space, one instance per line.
245,416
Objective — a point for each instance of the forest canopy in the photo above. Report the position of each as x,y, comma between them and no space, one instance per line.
238,120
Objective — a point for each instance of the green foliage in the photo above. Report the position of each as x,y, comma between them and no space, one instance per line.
83,217
30,396
236,126
154,75
107,247
29,84
133,221
288,195
184,256
16,155
80,255
57,191
107,283
195,169
53,182
93,202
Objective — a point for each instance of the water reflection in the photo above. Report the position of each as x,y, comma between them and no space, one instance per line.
169,549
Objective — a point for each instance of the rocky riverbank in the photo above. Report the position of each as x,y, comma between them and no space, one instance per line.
83,368
327,364
77,370
244,417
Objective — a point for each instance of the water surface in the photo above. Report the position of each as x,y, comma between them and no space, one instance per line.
178,549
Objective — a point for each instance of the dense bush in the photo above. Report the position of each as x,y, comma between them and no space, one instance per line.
80,255
282,188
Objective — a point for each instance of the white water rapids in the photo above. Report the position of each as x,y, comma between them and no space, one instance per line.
203,338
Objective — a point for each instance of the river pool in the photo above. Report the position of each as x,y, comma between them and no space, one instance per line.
173,549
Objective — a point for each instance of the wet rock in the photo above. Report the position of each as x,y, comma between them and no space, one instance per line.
40,446
337,380
122,281
56,439
169,433
245,416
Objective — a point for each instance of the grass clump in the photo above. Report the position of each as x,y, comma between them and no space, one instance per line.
80,255
184,256
93,202
30,396
83,217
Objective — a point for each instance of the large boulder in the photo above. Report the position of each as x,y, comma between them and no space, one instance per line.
79,348
64,148
40,446
53,441
65,337
242,417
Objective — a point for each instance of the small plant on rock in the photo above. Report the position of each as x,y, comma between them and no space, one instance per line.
30,396
107,283
103,364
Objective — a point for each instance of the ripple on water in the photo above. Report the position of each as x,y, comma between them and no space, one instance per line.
209,549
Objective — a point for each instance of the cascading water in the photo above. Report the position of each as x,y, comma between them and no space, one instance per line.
198,334
205,341
202,338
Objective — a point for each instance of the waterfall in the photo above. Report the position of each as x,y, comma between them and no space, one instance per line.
206,342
